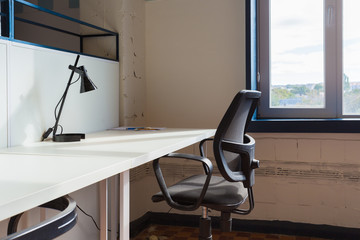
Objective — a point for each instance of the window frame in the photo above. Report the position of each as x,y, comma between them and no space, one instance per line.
310,125
331,75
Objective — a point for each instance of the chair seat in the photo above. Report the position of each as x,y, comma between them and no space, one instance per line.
221,194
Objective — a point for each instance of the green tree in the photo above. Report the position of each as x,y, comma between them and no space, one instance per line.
278,94
346,82
300,89
319,87
352,102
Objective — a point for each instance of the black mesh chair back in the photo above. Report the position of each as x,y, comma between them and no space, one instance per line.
232,161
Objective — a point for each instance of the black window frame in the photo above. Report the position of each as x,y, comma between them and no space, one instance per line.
336,125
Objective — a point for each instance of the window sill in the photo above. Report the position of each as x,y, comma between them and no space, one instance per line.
339,125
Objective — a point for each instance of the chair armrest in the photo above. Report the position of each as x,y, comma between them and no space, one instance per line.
235,147
248,163
201,145
163,187
247,148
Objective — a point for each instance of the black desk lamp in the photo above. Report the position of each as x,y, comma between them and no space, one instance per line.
86,86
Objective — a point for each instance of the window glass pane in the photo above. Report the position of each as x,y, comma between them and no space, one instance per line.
297,54
47,28
1,16
4,29
351,57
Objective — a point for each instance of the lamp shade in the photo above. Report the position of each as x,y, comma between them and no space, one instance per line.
86,84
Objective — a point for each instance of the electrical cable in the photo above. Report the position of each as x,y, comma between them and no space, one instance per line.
96,225
170,210
57,105
76,80
61,128
88,215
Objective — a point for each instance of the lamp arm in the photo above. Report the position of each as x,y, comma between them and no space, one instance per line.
64,97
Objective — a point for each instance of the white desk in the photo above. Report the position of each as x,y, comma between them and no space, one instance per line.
38,173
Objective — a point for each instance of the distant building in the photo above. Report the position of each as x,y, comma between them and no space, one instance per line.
354,85
290,101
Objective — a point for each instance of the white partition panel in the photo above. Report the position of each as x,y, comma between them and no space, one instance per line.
3,93
38,78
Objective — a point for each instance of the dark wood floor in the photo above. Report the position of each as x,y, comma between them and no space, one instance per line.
160,232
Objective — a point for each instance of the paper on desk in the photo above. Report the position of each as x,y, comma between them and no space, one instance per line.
137,128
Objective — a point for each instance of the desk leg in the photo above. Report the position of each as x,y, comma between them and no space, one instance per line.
124,208
103,189
114,207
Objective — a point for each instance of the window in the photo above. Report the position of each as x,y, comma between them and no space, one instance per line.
308,64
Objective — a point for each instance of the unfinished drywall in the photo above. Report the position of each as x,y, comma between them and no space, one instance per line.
195,63
132,78
127,17
195,60
312,178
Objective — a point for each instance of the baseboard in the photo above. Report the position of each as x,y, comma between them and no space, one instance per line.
259,226
140,224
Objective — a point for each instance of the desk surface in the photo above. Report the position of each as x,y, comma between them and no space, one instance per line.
38,173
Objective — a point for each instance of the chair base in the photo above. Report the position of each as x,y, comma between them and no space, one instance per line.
205,229
225,222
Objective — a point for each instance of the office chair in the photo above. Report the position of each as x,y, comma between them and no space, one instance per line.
234,155
50,228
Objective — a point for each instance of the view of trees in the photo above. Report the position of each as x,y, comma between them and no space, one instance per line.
313,96
298,96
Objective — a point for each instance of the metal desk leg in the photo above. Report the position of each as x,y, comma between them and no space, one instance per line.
103,188
124,208
114,206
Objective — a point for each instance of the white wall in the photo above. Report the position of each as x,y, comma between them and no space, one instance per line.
38,78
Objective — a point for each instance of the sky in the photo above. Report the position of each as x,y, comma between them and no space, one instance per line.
297,40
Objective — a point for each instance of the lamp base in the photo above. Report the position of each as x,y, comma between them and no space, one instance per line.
69,137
